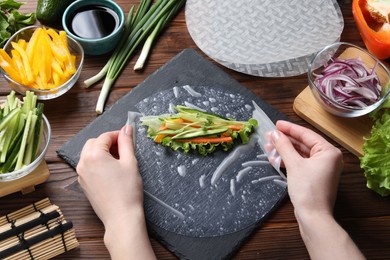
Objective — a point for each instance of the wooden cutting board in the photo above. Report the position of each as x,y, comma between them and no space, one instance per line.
27,183
348,132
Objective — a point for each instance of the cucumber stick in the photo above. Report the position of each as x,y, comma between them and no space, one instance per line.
20,131
201,132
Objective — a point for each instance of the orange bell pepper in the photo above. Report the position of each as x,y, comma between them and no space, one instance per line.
376,41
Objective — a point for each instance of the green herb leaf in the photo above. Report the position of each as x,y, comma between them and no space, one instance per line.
10,4
11,20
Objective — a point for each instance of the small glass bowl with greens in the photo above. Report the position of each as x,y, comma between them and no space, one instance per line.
347,80
25,136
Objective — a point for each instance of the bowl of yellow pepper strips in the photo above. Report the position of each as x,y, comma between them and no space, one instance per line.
41,60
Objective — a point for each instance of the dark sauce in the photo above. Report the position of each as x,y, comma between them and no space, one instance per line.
93,22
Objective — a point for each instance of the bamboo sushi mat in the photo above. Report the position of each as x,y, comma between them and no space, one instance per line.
38,231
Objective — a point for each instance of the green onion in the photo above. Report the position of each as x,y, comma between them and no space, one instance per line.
152,37
148,21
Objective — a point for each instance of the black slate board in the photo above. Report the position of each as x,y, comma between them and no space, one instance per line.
187,68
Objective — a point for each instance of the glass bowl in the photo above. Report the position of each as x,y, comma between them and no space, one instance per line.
344,51
74,48
11,176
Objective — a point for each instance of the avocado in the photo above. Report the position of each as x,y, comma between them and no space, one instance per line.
49,12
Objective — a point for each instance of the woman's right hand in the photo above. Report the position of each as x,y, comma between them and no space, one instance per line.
313,167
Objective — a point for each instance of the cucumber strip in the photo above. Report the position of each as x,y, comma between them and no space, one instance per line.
31,131
12,101
2,139
174,125
38,132
34,101
26,103
19,162
193,118
198,115
200,132
184,109
22,121
8,137
5,121
8,166
28,155
14,142
6,108
169,132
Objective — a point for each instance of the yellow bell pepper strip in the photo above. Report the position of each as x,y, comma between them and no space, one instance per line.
32,51
34,40
26,62
32,45
376,40
8,66
64,38
57,71
62,50
17,59
22,43
46,58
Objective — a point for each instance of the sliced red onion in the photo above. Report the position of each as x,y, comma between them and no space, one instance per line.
349,83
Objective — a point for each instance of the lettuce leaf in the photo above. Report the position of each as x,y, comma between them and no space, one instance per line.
202,149
376,154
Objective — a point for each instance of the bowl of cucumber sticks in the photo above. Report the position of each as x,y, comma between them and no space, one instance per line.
25,134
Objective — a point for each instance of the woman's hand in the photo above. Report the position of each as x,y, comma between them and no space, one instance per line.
313,171
108,173
313,167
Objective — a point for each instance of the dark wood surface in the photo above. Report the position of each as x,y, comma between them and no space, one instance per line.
363,213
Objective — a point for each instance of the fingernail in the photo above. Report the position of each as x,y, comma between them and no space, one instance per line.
128,130
275,136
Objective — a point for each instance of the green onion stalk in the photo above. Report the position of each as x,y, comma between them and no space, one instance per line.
153,36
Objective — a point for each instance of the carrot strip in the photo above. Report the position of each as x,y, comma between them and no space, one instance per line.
234,127
226,134
163,127
211,140
159,137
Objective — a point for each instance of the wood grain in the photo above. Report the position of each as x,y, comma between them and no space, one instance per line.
364,214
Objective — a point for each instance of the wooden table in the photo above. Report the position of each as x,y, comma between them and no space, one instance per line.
363,213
